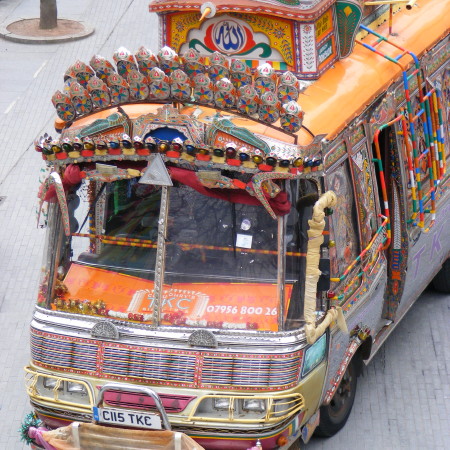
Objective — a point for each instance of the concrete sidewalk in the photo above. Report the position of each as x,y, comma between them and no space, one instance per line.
403,401
29,75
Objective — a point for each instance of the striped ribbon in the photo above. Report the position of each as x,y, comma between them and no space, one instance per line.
132,242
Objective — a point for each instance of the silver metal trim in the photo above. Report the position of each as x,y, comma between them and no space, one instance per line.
281,270
238,341
136,390
160,256
202,338
105,330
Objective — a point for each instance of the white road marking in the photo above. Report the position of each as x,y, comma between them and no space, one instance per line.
40,68
8,109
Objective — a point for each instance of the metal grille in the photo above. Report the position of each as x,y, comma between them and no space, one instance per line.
63,353
194,369
149,365
252,372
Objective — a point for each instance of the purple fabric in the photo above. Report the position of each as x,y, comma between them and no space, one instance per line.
36,435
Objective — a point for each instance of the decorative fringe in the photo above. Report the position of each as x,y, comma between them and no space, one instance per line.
29,421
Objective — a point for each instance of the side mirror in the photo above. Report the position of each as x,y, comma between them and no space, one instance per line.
323,284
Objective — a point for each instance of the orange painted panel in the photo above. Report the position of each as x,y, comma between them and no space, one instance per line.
345,90
227,305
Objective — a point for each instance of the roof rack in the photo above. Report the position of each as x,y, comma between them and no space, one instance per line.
430,116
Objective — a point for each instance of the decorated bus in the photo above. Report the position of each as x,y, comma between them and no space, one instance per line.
236,223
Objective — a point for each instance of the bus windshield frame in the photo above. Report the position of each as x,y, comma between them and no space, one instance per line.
171,256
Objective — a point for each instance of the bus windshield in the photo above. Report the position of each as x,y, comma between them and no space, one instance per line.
220,259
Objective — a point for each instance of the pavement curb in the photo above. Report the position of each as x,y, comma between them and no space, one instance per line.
8,35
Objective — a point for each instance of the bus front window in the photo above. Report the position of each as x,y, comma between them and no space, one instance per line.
220,258
221,263
125,216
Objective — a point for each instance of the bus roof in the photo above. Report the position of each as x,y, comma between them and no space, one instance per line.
345,90
328,105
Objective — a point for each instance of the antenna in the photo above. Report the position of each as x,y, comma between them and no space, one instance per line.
409,5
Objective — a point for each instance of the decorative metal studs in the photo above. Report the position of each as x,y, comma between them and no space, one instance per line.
202,338
104,330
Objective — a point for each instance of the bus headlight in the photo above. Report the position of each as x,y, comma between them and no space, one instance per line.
254,405
50,383
221,404
76,388
247,409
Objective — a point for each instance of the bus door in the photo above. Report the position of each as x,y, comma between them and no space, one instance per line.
392,160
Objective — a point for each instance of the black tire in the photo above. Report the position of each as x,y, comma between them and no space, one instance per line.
441,282
334,415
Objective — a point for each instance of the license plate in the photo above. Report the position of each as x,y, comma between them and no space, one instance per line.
127,418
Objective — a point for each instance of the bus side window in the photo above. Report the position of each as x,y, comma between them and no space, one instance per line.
343,223
303,201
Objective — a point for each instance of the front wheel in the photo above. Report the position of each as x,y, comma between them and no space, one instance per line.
334,415
441,282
